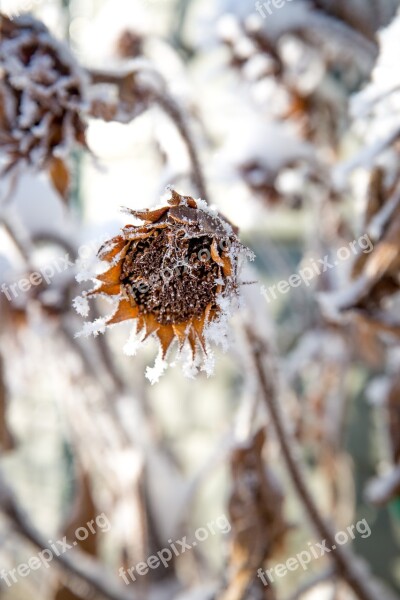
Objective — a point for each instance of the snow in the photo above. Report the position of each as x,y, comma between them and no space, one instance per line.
153,374
377,391
98,326
384,77
367,156
332,303
380,220
134,343
32,135
271,145
375,109
294,15
81,305
381,489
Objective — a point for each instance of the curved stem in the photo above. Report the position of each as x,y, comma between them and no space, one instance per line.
346,564
130,88
173,110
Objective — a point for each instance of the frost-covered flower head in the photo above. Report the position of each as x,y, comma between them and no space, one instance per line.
42,95
176,275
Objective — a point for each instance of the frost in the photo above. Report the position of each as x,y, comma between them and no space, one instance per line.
44,85
332,303
209,364
210,210
382,218
375,109
270,145
216,332
133,343
153,374
29,111
382,489
377,391
81,305
84,274
92,328
190,366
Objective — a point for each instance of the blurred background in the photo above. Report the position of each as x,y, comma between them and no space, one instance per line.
294,110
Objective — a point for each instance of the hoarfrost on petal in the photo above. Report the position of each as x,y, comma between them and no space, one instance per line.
81,305
92,328
153,374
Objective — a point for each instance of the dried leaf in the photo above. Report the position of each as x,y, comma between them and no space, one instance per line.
60,177
258,525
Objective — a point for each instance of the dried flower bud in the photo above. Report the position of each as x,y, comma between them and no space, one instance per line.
176,275
42,93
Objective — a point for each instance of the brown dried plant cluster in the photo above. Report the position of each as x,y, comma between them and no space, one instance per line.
42,99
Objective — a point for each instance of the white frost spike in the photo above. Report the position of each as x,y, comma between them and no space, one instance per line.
153,374
81,305
133,343
84,274
98,326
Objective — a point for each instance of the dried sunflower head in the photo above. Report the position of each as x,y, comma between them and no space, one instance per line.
175,274
42,92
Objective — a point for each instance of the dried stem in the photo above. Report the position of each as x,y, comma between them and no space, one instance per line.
133,90
173,110
346,562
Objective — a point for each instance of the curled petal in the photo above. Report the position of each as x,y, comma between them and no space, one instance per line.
227,266
109,251
176,200
151,216
215,254
132,233
183,214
